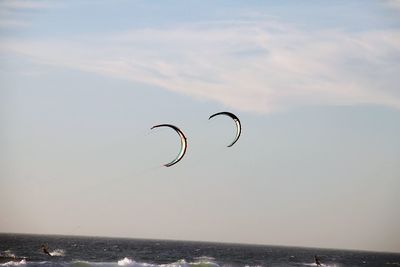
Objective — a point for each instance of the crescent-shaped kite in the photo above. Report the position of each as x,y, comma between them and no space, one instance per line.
237,122
183,143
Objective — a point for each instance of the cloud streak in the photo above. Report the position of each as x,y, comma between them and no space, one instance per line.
24,4
12,12
257,66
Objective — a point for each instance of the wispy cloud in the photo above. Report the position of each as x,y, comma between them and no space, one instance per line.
12,12
258,66
25,4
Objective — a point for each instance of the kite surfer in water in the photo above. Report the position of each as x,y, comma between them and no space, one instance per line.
45,249
317,261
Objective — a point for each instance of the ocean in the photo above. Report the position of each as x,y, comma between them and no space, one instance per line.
25,250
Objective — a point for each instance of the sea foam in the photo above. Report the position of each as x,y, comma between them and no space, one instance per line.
125,262
57,253
14,263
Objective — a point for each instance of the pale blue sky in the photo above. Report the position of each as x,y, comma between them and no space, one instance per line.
315,85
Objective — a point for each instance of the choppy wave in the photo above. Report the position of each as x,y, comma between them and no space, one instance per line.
10,259
14,263
126,262
7,254
314,264
201,262
183,263
58,253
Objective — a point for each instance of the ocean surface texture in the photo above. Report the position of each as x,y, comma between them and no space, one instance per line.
25,250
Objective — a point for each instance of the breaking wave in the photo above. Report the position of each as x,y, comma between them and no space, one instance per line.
125,262
199,262
57,253
14,263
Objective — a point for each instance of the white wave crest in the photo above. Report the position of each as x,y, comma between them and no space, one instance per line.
202,262
123,262
126,262
14,263
7,253
57,253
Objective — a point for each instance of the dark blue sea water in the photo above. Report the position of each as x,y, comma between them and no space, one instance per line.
25,250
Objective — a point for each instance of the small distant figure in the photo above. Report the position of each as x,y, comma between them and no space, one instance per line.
317,261
45,249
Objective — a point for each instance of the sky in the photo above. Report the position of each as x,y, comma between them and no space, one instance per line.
315,85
